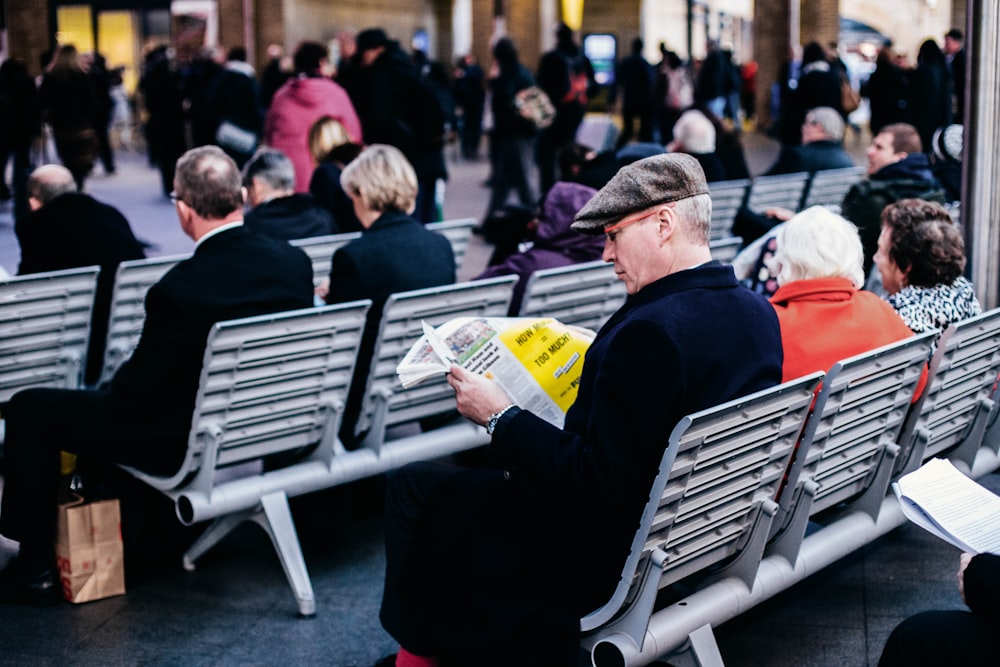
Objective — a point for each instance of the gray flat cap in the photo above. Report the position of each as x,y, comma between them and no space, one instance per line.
654,180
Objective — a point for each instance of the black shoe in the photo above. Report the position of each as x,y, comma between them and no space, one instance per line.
35,589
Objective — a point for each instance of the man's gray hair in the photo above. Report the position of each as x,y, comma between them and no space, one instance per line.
49,181
696,214
208,181
272,167
828,120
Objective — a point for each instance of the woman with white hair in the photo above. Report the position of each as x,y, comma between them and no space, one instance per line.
823,313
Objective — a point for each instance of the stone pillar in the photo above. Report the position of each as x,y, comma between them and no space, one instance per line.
959,12
771,50
28,32
981,168
819,21
444,38
231,23
269,26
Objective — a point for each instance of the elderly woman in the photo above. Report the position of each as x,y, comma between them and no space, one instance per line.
823,314
921,256
394,254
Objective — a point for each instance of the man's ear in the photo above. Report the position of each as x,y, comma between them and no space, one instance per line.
667,221
34,203
244,194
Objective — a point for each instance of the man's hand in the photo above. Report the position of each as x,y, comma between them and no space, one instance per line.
782,214
477,397
963,562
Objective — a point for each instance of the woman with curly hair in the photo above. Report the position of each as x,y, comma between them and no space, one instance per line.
921,256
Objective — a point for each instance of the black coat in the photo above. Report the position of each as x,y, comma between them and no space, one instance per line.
233,274
886,93
395,254
930,100
497,582
233,96
325,188
296,216
75,230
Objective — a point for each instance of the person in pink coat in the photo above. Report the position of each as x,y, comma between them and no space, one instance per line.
299,103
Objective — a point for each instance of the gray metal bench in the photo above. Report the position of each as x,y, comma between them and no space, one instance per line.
727,198
582,294
273,384
784,191
828,187
952,414
711,504
128,308
320,250
459,233
848,448
387,404
45,325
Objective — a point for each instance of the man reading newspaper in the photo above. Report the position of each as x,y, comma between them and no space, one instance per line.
495,565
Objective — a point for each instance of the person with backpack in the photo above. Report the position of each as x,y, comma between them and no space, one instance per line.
397,106
674,90
567,77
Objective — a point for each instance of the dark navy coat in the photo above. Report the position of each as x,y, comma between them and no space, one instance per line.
549,529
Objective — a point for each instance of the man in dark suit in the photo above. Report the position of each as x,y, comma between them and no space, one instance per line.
821,148
142,419
278,211
476,566
67,229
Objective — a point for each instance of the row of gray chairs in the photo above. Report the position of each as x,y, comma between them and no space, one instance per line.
792,191
739,483
46,317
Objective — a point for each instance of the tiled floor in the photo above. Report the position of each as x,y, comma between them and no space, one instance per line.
237,609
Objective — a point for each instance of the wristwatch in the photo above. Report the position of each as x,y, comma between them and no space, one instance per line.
491,423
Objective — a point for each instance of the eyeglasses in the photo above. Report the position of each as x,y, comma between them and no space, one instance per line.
611,232
174,198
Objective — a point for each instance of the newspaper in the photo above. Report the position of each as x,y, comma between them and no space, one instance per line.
537,361
944,502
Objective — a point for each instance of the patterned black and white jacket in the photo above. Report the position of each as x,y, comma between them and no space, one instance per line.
926,308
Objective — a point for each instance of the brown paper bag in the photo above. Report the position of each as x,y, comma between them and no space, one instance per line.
89,550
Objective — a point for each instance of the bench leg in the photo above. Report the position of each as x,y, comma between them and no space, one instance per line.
212,536
701,650
276,520
275,517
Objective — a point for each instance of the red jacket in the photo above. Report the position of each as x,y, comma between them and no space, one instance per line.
296,106
825,320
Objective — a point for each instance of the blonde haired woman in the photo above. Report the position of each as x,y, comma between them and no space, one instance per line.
394,254
331,149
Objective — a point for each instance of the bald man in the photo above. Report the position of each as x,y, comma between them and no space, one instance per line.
143,417
67,229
